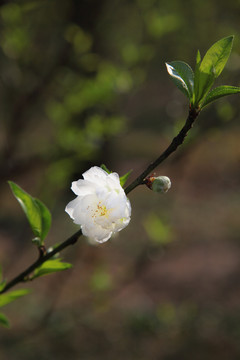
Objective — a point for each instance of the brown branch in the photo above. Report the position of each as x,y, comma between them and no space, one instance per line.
176,142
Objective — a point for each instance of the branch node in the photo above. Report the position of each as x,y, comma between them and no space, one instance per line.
42,251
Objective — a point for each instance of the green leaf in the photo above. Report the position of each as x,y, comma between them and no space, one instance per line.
217,56
45,217
36,212
105,168
13,295
211,67
219,92
124,178
50,266
206,81
4,320
183,77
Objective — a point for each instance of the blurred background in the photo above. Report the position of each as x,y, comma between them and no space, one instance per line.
83,82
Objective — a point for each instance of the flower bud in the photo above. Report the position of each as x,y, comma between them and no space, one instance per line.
160,184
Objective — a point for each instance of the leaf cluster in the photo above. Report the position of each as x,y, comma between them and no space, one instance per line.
197,85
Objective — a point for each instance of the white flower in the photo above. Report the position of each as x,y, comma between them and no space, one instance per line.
101,206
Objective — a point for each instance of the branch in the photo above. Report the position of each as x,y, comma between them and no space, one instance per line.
23,276
178,140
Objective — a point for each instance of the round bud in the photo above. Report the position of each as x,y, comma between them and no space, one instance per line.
161,184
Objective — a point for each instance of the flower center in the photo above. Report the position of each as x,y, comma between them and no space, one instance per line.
101,210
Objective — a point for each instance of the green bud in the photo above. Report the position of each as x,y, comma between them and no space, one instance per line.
161,184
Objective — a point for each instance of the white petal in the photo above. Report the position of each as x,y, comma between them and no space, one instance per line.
83,187
97,233
104,221
128,208
121,224
88,202
115,177
71,206
113,182
93,173
85,208
120,206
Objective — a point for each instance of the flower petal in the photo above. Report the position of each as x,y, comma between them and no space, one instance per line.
83,187
98,233
93,173
71,207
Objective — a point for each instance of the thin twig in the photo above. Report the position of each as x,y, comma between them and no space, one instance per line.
178,140
22,277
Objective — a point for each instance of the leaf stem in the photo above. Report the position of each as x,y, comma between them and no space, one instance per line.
178,140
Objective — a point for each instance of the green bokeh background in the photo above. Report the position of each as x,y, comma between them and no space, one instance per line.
84,83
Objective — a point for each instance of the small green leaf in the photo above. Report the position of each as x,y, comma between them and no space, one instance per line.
196,76
183,77
198,59
124,178
13,295
29,207
50,266
45,217
4,320
105,168
36,212
219,92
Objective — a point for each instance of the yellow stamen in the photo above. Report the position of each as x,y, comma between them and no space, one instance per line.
101,211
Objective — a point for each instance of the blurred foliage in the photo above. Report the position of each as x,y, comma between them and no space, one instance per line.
58,89
158,230
67,67
101,280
